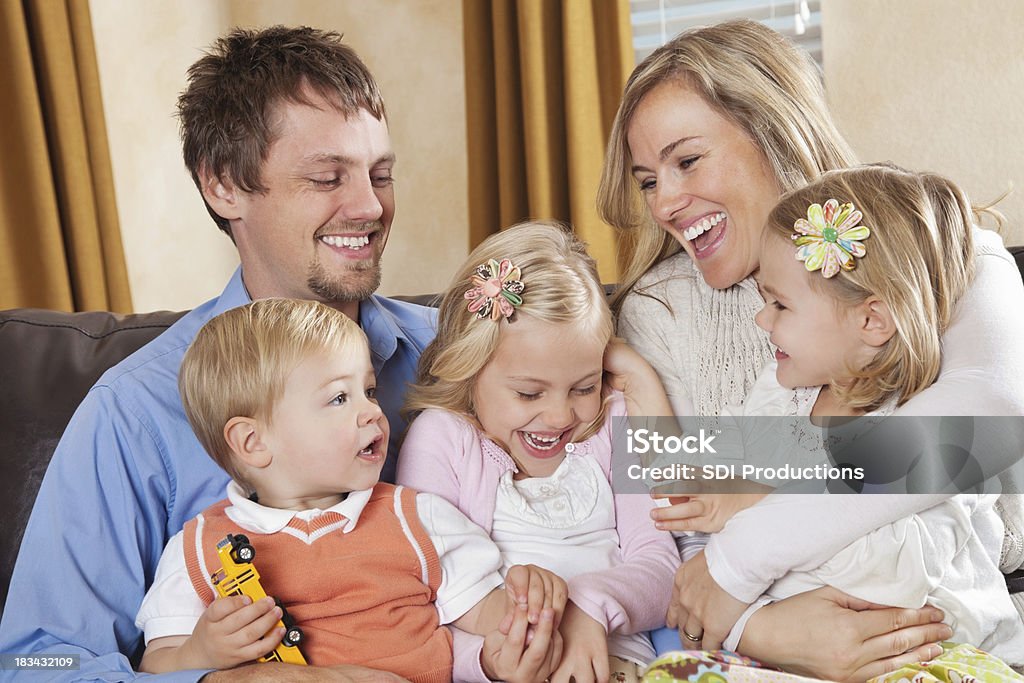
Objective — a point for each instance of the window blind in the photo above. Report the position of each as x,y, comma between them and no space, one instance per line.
657,21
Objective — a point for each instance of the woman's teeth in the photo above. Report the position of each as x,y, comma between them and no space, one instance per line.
702,226
350,242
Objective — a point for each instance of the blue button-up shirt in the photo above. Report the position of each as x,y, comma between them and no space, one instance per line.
128,473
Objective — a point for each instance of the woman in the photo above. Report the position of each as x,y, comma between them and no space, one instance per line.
712,128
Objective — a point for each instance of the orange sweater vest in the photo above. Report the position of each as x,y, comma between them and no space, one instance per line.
365,597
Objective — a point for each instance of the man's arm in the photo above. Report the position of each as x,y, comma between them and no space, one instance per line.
275,672
107,479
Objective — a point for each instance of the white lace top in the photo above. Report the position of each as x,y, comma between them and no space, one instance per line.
537,519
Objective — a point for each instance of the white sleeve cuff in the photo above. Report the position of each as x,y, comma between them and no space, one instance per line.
171,606
470,561
732,643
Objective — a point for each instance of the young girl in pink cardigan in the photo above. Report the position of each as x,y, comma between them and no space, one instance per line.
514,429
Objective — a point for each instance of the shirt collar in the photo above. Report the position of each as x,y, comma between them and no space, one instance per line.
381,328
234,294
257,518
379,324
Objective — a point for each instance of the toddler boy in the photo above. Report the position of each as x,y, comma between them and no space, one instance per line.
281,395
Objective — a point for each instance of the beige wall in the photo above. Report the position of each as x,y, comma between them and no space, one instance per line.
934,85
176,256
925,83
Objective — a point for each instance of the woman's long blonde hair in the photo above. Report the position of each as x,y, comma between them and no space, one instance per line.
752,76
561,286
919,261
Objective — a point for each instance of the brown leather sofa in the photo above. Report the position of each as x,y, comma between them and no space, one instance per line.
48,361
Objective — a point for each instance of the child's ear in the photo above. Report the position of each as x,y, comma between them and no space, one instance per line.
243,437
877,325
220,192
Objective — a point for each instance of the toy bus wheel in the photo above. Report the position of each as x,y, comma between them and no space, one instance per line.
241,550
293,636
245,553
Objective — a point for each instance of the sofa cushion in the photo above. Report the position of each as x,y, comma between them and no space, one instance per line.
48,361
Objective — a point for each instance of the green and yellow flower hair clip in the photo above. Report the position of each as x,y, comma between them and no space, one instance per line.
829,238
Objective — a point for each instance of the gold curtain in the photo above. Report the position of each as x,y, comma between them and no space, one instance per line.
61,242
543,80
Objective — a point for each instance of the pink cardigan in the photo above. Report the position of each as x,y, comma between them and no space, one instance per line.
446,455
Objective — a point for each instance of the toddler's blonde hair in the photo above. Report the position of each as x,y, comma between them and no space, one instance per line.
239,362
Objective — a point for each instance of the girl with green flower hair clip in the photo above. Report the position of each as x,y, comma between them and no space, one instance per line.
861,272
866,267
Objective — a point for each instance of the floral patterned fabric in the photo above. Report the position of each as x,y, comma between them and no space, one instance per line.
716,666
958,663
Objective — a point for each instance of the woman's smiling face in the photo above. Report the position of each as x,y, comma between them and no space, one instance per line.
704,180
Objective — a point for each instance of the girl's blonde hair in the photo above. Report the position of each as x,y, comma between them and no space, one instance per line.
561,286
752,76
919,261
239,362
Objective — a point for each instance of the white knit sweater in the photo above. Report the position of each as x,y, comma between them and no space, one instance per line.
702,341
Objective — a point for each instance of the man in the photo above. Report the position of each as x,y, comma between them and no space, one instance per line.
285,134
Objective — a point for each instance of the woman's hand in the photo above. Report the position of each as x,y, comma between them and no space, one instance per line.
826,633
700,608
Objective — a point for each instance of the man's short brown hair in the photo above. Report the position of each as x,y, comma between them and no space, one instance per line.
228,111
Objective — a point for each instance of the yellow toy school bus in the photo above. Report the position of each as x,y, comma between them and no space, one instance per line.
238,576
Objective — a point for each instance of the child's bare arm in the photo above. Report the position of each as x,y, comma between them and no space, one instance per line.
585,650
487,615
162,655
528,588
520,624
231,631
522,653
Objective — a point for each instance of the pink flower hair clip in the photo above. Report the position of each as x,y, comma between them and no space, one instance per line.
496,290
829,238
